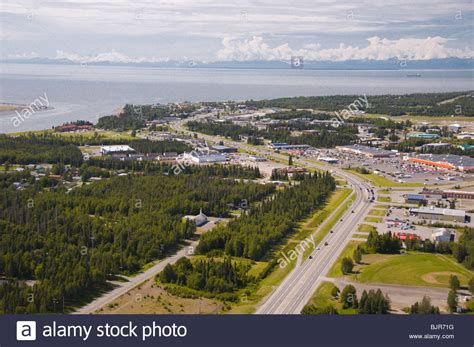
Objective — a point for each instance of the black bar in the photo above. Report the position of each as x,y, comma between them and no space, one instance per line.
256,330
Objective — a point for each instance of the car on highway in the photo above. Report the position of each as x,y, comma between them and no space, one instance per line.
325,243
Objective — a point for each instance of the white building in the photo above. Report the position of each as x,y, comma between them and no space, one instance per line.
205,159
442,234
199,219
106,150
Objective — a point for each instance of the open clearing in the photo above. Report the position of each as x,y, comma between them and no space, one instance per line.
347,252
150,298
414,268
379,213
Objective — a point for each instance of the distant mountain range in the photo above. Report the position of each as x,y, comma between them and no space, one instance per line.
390,64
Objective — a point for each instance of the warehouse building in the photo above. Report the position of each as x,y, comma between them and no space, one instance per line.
443,214
205,159
442,235
284,146
445,161
415,199
224,149
369,152
422,136
108,150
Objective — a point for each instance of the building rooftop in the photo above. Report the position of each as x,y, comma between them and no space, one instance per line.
455,160
441,211
117,148
367,149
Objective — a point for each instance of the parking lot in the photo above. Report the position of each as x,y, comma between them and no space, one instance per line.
394,168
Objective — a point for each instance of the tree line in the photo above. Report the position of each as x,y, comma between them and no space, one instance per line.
255,233
68,244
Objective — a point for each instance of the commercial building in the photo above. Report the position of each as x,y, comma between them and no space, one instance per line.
256,158
455,127
328,160
443,214
442,235
205,159
284,146
224,149
417,135
447,194
167,157
107,150
445,161
436,145
457,194
415,199
369,152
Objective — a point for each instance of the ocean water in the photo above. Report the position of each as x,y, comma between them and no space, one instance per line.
88,92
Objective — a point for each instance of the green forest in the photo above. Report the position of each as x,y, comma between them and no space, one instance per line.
327,138
255,233
69,243
428,104
207,275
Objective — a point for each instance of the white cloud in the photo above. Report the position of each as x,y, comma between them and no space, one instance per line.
113,56
377,49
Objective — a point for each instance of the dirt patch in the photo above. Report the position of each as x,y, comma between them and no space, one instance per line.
150,298
433,277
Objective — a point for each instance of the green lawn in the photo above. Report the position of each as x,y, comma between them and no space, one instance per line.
322,298
323,231
383,198
347,252
379,213
334,201
420,269
366,228
360,235
373,219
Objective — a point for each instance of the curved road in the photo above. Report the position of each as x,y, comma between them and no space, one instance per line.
298,287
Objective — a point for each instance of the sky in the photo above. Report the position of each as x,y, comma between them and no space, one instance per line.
150,31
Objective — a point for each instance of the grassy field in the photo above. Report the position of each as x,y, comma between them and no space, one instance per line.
419,269
328,225
366,228
361,235
383,198
378,213
373,219
347,252
322,298
318,217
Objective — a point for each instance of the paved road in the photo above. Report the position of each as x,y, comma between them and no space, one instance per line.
124,287
298,287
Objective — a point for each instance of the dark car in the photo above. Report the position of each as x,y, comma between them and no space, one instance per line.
325,243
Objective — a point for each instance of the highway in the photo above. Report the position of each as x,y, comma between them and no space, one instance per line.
297,288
